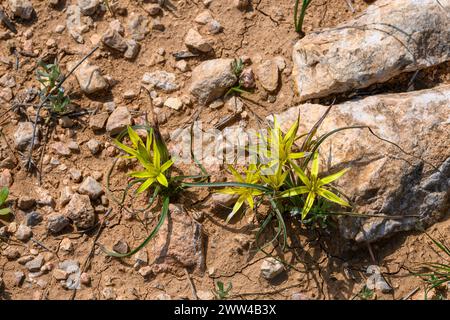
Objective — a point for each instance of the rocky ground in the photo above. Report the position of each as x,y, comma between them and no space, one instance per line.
173,59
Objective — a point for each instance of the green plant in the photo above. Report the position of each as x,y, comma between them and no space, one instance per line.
286,177
439,273
299,17
154,159
237,66
4,192
365,293
49,75
222,293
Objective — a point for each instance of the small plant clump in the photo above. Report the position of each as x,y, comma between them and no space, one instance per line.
49,75
438,274
237,66
4,192
299,16
222,293
287,178
154,159
366,293
282,175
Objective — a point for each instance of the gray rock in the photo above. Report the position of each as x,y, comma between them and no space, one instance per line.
114,40
214,27
88,7
35,264
196,42
376,280
132,49
61,148
23,135
80,211
89,77
204,17
299,296
74,23
140,259
93,146
268,74
220,200
33,218
4,231
146,271
119,119
137,26
66,245
60,274
98,121
173,103
75,175
390,37
211,79
91,188
161,80
117,26
66,195
73,146
23,233
72,268
19,276
179,243
378,181
121,246
270,268
56,223
11,253
21,8
44,198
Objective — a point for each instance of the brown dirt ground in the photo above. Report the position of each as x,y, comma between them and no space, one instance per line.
319,267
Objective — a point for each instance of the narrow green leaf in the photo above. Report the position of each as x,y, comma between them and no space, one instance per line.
164,213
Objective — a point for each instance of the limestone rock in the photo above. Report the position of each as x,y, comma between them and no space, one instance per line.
390,37
21,8
91,188
382,179
88,7
270,268
173,103
179,243
89,77
195,41
24,134
80,211
211,79
119,119
114,40
57,222
98,121
161,80
138,26
75,25
267,73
